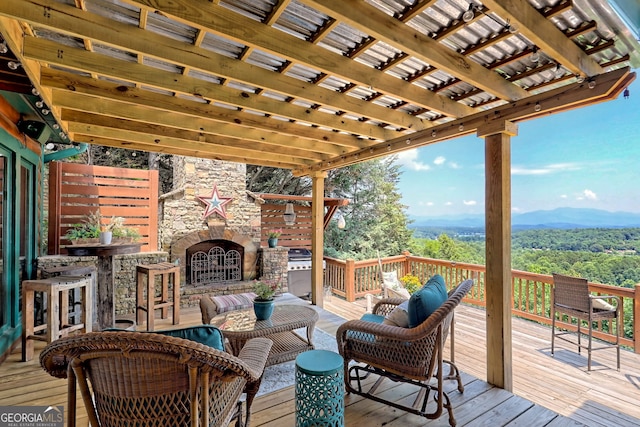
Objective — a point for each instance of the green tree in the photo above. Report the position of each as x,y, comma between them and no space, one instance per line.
375,218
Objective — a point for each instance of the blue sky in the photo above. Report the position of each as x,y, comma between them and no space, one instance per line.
584,158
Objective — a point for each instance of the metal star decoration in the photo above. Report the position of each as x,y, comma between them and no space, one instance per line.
215,203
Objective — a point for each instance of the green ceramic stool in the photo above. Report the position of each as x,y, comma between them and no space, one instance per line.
319,389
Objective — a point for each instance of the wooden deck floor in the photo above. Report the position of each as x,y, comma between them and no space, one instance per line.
548,391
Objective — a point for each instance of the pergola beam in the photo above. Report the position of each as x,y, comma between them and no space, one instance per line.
374,22
607,87
546,36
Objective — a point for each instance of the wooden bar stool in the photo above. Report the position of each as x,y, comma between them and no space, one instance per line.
152,302
73,303
58,323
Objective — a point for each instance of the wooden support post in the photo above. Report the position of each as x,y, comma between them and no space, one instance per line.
498,251
317,238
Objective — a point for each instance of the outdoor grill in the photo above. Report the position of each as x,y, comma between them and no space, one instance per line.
299,272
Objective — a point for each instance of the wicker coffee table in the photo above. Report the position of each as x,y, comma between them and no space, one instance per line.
241,325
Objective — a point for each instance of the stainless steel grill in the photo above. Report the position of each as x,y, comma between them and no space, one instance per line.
299,259
299,272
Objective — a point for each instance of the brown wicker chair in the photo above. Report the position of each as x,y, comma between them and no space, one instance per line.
410,355
570,296
144,379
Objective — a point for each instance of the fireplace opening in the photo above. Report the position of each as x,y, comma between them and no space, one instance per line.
214,262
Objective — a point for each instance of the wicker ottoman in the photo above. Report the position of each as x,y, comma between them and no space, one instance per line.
319,389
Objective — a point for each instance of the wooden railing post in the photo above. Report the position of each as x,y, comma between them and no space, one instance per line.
406,265
350,280
636,319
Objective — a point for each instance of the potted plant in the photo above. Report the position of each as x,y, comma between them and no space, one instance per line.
119,231
273,237
263,301
411,283
108,230
87,231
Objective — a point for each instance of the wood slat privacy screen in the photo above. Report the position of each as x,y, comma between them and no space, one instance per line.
297,235
76,190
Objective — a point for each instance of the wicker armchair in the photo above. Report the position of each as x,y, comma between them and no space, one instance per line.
143,379
410,355
571,296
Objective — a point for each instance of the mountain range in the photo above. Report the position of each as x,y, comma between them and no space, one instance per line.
557,218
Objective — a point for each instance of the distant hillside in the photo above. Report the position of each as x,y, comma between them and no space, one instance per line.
563,218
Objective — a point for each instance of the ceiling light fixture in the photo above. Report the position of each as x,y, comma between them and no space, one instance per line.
469,14
289,214
591,83
45,111
433,134
35,91
341,222
4,48
558,71
537,107
39,103
535,56
512,29
13,65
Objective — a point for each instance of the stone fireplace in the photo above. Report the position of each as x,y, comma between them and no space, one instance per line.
216,256
216,253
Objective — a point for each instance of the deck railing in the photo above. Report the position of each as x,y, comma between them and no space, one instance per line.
531,292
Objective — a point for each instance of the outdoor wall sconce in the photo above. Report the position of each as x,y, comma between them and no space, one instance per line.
289,214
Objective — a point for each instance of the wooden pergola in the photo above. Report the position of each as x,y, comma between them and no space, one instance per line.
313,85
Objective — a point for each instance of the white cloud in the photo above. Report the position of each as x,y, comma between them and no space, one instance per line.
448,204
515,209
545,170
409,160
590,195
439,160
563,196
469,202
454,165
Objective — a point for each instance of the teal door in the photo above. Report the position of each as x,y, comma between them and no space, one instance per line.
18,232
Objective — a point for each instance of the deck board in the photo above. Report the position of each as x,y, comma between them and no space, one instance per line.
548,391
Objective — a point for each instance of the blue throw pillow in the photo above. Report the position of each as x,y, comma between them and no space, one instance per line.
204,334
426,300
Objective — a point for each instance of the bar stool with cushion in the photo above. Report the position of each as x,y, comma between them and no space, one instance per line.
570,296
58,322
149,301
